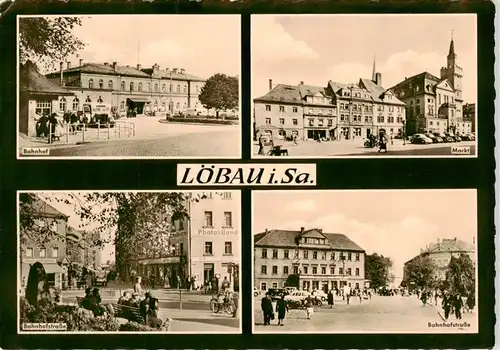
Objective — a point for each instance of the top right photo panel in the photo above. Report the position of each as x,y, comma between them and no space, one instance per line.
363,86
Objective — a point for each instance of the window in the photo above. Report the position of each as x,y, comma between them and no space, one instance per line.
381,119
264,253
29,252
306,270
306,254
295,270
333,255
226,195
315,270
91,83
282,108
263,286
285,254
110,84
164,88
131,86
185,89
123,86
156,87
349,256
295,109
101,84
76,103
390,119
208,219
275,284
228,248
282,121
268,121
341,271
323,270
323,255
275,270
178,89
357,271
417,110
275,253
122,106
263,270
294,121
43,253
177,105
348,271
285,270
62,104
315,255
55,252
357,256
311,122
391,108
170,88
320,122
139,87
100,100
228,219
208,248
330,122
268,108
181,224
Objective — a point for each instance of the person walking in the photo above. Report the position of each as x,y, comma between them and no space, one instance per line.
261,145
281,309
330,299
423,298
471,302
457,306
267,309
309,307
446,304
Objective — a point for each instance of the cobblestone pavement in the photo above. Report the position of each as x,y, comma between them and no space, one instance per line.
356,148
382,314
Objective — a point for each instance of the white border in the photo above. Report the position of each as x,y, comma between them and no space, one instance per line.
19,157
18,275
361,155
298,331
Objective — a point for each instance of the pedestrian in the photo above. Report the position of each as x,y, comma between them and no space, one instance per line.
144,307
360,296
471,302
281,309
225,284
267,309
309,307
457,306
330,299
423,298
436,297
295,139
261,145
446,304
137,285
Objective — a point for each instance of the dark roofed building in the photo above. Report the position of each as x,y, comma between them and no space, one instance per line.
320,260
131,88
37,96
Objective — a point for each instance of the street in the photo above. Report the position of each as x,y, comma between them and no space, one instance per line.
356,148
152,139
381,314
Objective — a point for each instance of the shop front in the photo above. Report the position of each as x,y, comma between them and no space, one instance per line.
167,272
136,106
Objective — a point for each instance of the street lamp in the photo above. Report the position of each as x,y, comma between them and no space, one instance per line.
404,132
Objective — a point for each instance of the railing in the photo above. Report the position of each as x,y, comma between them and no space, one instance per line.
86,132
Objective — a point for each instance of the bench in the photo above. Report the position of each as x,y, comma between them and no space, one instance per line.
128,312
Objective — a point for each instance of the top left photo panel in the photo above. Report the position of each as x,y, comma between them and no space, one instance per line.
128,86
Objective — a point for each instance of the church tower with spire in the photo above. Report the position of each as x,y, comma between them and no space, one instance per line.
452,71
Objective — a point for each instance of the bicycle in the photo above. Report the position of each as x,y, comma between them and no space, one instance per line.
226,305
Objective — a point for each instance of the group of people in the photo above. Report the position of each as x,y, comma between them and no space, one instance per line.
93,302
451,303
268,309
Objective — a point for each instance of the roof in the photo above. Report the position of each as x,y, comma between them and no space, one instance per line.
451,52
335,86
31,81
46,210
282,93
98,68
377,92
287,238
163,73
450,245
418,79
309,90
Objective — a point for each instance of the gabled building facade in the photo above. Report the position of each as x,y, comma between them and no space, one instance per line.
435,104
323,261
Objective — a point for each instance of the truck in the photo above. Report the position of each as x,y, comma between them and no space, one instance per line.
98,113
101,278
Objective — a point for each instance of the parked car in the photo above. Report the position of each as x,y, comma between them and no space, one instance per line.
455,138
466,137
420,139
291,289
256,292
298,295
433,137
277,293
320,294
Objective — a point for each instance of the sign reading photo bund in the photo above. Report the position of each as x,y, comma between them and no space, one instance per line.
246,174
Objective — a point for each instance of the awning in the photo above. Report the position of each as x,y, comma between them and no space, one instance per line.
53,268
138,99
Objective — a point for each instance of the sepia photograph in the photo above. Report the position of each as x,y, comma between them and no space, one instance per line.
365,261
364,85
103,262
129,86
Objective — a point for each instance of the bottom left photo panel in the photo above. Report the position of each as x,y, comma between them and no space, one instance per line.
129,261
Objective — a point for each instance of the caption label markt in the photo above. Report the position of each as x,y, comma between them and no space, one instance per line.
246,174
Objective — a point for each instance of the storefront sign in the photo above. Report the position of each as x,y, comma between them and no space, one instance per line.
167,260
216,232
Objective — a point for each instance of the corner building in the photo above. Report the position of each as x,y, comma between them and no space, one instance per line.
320,260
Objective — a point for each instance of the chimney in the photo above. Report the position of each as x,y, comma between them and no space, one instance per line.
266,231
182,70
175,70
270,84
378,78
301,230
106,63
114,66
301,83
139,66
68,64
320,230
61,82
81,62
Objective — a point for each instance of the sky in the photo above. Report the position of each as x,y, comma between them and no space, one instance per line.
201,44
394,223
317,48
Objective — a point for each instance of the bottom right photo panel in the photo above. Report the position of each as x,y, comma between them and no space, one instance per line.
365,261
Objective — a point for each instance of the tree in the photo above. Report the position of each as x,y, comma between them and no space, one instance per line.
46,40
460,275
420,272
220,92
293,280
377,270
